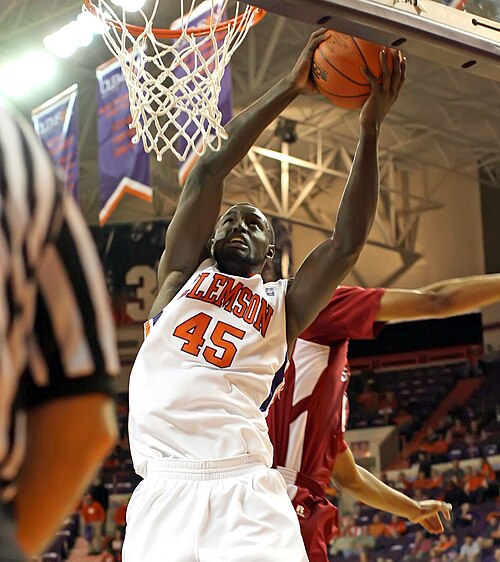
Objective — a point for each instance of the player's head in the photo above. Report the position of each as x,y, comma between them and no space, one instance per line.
243,240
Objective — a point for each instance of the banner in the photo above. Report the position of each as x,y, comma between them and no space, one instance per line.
124,166
56,124
200,17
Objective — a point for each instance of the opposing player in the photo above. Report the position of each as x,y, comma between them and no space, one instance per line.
57,348
216,340
307,422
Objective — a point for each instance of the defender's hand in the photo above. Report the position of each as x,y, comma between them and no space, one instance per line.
301,74
429,516
386,93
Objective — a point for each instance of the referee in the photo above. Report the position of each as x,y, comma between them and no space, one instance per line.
57,348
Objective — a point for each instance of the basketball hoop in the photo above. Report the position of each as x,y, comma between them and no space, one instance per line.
174,75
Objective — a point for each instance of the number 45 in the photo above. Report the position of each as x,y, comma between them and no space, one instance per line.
193,332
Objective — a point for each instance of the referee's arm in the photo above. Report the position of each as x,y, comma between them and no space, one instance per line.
71,424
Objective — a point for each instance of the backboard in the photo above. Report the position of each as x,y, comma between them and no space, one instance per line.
430,29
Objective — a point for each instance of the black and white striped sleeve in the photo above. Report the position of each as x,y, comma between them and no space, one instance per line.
73,348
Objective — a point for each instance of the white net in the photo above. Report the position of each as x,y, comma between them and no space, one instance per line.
175,83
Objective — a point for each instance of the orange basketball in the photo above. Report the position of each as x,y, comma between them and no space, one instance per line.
336,68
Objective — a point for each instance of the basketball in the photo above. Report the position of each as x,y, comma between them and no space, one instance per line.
337,69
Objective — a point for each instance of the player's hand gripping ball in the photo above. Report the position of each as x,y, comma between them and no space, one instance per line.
337,68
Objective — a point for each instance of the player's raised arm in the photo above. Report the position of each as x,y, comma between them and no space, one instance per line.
200,202
441,299
331,261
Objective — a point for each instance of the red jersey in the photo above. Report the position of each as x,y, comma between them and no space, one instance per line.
308,421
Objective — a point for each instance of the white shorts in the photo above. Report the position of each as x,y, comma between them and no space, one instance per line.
228,510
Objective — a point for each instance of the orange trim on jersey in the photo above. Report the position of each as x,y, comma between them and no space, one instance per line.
147,328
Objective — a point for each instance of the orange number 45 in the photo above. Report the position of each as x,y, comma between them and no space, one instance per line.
193,332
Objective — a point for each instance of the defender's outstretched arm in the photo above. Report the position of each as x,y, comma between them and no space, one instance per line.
441,299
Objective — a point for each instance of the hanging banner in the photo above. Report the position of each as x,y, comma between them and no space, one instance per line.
56,124
200,17
124,166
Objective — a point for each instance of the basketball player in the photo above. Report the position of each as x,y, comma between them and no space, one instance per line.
307,422
57,348
218,336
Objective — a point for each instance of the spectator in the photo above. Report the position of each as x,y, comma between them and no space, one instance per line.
424,464
388,403
352,539
404,422
420,482
120,518
368,399
419,548
464,518
455,471
475,430
377,528
431,436
402,484
470,550
476,486
443,425
444,544
115,546
491,534
396,527
457,429
93,519
489,474
439,449
486,470
100,494
436,480
471,448
454,494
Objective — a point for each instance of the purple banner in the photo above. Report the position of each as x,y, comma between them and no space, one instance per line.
56,124
201,17
124,166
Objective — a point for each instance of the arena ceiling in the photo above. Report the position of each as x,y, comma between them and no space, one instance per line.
445,118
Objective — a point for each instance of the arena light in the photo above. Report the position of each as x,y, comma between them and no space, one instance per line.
66,40
87,20
61,43
20,76
130,5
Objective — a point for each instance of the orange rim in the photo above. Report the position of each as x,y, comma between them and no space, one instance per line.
163,33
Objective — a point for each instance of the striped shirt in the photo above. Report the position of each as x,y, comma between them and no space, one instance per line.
56,330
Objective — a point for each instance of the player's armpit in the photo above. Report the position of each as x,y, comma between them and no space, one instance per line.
67,440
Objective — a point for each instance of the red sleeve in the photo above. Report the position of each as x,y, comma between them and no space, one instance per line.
351,313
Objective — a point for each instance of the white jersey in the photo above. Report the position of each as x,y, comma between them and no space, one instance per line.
211,359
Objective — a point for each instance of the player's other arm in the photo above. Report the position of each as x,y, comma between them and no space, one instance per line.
326,266
201,198
445,298
370,490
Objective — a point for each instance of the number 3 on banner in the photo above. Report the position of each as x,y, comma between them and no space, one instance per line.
193,332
